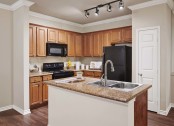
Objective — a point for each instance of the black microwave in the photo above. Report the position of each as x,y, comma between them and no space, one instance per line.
55,49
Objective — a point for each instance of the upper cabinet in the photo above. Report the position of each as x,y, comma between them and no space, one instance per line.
107,38
88,45
116,35
32,40
62,36
127,34
98,44
78,45
53,35
41,41
71,43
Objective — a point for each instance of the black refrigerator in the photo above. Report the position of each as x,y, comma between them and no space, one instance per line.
121,56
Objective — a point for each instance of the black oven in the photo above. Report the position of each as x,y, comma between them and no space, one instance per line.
55,49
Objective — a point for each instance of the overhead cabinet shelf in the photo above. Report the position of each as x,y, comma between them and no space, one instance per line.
87,44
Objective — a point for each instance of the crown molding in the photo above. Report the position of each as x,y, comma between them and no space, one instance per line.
126,17
50,18
16,5
5,7
21,3
149,4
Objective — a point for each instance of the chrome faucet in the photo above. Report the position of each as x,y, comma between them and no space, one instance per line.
105,72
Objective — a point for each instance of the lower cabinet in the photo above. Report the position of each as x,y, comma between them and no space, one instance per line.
95,74
39,90
35,93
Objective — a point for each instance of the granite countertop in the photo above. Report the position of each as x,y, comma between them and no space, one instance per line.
35,74
83,70
104,92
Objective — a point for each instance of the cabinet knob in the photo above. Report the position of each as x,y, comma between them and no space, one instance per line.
140,74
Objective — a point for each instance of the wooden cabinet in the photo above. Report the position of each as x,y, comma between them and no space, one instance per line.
53,35
32,40
98,44
78,45
95,74
62,36
39,90
116,35
107,38
41,41
88,73
127,34
88,45
71,44
35,93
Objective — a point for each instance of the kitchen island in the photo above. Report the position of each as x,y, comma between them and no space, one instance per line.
84,104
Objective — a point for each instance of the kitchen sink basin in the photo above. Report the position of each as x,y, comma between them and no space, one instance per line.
126,86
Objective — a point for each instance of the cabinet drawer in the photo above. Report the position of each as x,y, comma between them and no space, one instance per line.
35,79
97,74
47,77
89,73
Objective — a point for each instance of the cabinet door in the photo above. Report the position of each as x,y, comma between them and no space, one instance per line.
127,34
116,36
88,73
78,45
35,93
41,41
32,37
98,44
88,45
62,37
45,93
107,38
71,44
53,35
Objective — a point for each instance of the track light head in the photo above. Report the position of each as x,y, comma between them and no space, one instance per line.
121,5
87,14
109,8
97,11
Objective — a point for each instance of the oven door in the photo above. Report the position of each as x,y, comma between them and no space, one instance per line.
54,49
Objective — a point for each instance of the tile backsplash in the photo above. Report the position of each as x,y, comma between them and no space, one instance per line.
50,59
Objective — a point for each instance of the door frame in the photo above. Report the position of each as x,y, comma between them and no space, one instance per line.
158,60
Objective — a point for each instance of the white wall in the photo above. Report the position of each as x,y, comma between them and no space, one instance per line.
21,58
6,58
159,15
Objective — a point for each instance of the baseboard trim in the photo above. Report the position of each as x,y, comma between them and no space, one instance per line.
21,111
6,108
165,113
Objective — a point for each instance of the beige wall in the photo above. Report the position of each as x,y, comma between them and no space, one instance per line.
159,15
21,59
6,58
105,26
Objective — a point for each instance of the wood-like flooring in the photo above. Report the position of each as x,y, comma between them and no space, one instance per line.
39,117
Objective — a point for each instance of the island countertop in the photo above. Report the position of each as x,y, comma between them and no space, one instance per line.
100,91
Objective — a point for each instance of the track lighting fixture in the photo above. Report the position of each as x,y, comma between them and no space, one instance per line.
97,11
87,14
109,7
121,5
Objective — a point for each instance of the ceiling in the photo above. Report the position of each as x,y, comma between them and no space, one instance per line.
73,10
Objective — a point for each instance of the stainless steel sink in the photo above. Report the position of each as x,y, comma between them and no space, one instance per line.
126,86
